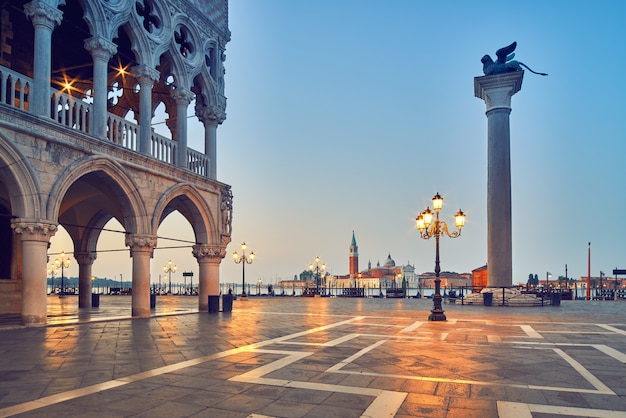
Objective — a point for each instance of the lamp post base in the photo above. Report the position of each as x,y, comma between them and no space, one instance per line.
437,315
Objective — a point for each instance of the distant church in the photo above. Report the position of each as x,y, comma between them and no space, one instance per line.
383,276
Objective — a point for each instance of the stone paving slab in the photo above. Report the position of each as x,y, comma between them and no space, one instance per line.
318,357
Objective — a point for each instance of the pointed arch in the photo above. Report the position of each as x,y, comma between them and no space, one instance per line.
21,181
132,205
186,199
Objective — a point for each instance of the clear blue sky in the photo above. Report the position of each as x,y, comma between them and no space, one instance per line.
350,115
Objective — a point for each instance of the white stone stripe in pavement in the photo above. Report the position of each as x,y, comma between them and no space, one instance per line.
525,410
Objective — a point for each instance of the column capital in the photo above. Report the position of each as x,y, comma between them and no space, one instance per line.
41,13
182,96
208,252
100,47
85,258
210,115
497,90
140,242
145,74
31,230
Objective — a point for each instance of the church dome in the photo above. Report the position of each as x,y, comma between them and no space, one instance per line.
389,262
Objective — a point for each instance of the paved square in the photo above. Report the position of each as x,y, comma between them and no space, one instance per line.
319,357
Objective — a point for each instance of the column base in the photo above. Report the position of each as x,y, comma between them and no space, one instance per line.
141,313
34,320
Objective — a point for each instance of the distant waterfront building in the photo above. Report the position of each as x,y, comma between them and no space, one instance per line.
374,277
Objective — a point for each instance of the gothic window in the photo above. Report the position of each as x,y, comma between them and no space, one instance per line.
181,37
150,19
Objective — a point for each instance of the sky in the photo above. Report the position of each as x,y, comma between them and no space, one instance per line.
351,115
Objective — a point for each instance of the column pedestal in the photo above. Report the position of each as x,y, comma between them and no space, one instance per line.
496,91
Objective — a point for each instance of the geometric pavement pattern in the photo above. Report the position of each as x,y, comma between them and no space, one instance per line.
288,364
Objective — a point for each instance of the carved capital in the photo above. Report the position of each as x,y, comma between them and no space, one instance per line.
206,251
100,47
34,230
145,74
85,258
141,242
42,14
497,90
211,115
182,96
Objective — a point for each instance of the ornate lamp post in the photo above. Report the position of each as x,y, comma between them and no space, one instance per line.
243,259
170,268
317,269
63,261
436,228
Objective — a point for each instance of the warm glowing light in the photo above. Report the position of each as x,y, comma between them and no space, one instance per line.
252,256
420,222
235,256
459,219
428,217
437,202
243,246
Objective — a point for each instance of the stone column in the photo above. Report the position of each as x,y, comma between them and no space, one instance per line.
496,91
44,18
209,258
211,117
35,237
101,52
182,97
85,262
146,77
141,248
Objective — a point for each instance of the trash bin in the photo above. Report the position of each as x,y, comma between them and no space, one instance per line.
487,298
214,304
227,303
152,300
555,299
95,300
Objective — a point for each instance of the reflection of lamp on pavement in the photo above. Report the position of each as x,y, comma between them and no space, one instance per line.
243,259
430,228
170,268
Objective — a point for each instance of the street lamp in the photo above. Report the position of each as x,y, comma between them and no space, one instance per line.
430,228
63,262
169,268
243,259
53,271
317,269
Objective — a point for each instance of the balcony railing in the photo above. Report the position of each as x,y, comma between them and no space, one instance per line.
75,113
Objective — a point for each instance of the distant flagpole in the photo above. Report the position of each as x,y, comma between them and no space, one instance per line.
589,271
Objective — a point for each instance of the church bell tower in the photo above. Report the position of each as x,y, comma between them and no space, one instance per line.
354,258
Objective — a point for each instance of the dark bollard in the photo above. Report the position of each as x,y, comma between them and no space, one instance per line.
214,304
95,300
227,303
487,298
152,300
555,299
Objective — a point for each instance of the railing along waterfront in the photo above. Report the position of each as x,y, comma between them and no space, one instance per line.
75,113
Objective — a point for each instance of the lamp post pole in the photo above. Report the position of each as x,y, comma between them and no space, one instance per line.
63,261
169,268
436,229
317,269
53,271
243,259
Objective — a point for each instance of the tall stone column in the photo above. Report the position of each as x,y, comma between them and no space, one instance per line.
141,248
44,18
101,52
35,237
85,263
209,258
146,77
182,97
496,91
211,117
